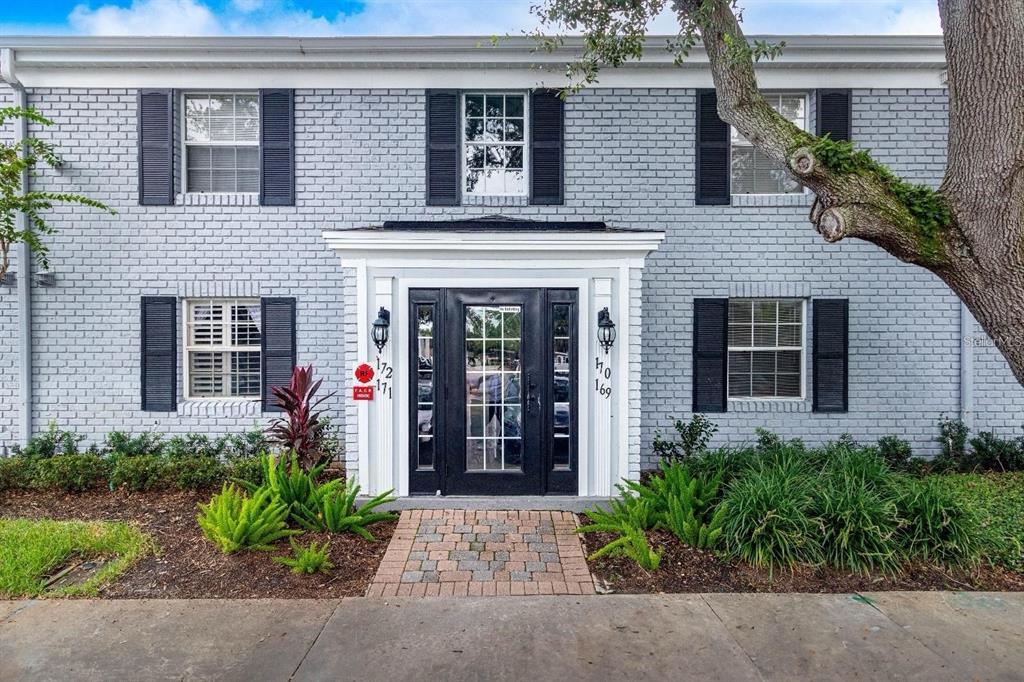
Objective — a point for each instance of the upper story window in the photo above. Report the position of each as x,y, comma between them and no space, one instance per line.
766,346
222,348
494,144
755,173
222,142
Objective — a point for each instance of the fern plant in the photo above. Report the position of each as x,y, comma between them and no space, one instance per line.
235,521
687,522
309,560
290,483
334,509
633,545
623,514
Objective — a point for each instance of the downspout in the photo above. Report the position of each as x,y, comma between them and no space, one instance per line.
23,257
967,342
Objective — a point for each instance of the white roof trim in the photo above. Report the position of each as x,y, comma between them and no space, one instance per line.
434,61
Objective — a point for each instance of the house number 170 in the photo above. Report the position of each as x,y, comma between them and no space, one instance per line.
604,376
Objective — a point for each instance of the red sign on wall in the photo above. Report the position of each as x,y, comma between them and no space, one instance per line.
364,373
362,393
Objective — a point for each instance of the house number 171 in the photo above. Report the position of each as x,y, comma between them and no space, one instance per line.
604,376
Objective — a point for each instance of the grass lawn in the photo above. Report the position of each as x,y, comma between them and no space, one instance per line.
998,500
32,549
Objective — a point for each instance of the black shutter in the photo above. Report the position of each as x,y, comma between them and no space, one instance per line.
156,147
442,148
713,173
277,343
831,351
710,351
834,114
277,147
547,161
159,354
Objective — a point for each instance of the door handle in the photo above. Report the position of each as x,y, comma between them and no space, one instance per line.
531,393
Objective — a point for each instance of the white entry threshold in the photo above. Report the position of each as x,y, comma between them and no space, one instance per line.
605,267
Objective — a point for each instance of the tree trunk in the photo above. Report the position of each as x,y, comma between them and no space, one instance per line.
979,252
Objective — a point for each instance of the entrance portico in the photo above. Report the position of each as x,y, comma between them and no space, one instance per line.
493,380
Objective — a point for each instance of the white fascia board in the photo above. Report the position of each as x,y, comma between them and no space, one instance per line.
807,61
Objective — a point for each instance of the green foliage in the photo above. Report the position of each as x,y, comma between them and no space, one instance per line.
989,452
691,439
234,520
248,469
935,527
17,158
308,560
195,473
138,472
952,438
633,545
15,473
926,206
681,503
291,484
333,508
625,512
70,473
895,451
689,525
121,444
997,501
30,550
52,442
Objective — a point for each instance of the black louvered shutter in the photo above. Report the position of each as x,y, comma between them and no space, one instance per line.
834,114
277,345
710,351
712,152
159,354
156,147
547,158
442,148
831,354
277,147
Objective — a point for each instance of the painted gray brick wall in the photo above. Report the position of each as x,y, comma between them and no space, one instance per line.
8,328
359,160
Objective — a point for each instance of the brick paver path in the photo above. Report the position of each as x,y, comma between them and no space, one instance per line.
454,552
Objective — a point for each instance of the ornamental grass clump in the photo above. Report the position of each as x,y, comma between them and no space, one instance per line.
935,526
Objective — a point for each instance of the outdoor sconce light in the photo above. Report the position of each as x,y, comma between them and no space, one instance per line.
605,329
380,328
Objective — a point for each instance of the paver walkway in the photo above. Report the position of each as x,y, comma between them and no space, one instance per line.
462,553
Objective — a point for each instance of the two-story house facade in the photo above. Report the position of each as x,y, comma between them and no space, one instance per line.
538,284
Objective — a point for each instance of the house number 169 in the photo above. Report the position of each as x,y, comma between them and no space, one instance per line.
604,376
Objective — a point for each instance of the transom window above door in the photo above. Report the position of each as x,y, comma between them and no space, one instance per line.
752,171
766,348
222,142
494,144
222,348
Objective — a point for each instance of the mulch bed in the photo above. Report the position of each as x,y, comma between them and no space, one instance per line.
684,569
187,565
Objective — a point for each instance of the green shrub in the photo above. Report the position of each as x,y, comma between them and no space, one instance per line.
681,503
624,512
725,464
194,445
997,500
895,451
989,452
309,560
953,439
196,473
50,443
290,483
771,518
15,473
691,439
247,445
120,444
70,473
690,526
934,525
235,521
332,508
633,545
138,472
248,469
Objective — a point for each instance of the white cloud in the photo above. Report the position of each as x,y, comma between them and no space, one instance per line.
247,5
146,17
916,20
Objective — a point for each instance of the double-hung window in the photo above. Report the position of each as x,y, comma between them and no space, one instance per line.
494,144
222,142
752,171
766,348
222,348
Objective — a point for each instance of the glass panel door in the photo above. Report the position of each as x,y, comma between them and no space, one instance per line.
494,406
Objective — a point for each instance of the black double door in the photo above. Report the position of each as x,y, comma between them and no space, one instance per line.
495,387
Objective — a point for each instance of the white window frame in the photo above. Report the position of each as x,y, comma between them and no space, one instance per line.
234,143
803,190
463,143
802,348
189,348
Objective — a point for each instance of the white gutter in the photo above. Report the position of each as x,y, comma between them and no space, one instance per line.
24,259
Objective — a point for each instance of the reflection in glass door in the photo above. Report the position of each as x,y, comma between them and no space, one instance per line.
493,379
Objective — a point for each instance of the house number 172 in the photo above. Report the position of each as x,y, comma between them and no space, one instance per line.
604,376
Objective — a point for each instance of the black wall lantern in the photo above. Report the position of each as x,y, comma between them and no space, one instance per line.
380,328
605,329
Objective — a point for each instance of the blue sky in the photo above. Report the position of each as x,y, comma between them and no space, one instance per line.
420,17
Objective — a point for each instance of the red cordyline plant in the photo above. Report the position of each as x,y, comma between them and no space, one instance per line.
301,431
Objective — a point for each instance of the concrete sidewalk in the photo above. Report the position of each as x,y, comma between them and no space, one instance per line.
926,636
